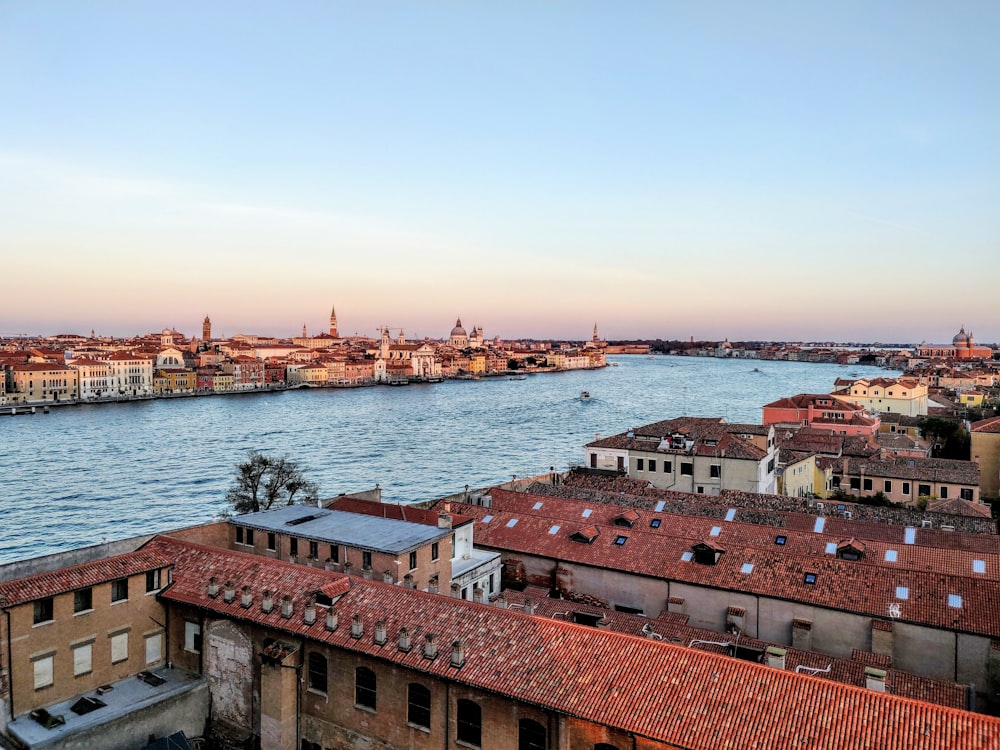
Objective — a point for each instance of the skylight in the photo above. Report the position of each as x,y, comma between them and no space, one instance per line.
716,530
978,566
831,548
512,523
781,539
955,601
910,535
536,506
587,512
660,506
487,518
655,523
554,530
902,592
747,568
620,540
890,555
818,526
731,514
687,557
810,578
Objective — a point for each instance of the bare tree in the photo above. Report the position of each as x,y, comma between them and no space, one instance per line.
263,482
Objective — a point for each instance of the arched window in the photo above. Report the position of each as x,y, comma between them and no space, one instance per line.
531,735
470,722
418,710
317,671
364,688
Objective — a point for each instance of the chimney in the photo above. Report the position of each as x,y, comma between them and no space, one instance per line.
380,633
286,606
432,585
457,654
387,576
529,607
405,642
229,593
246,597
213,587
478,594
501,601
775,657
267,602
309,614
875,679
456,591
408,581
444,520
331,620
430,647
357,627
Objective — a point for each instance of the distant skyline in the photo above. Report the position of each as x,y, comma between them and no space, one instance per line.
761,171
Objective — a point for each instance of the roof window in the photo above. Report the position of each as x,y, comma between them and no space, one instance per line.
831,548
587,512
810,578
687,557
620,540
536,506
554,530
731,514
902,592
978,566
661,505
746,568
512,523
780,539
716,530
586,535
655,523
955,601
487,518
706,553
628,518
890,555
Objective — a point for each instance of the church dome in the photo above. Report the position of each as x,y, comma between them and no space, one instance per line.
961,338
458,330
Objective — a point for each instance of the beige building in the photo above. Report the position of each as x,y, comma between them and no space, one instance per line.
41,382
985,450
885,395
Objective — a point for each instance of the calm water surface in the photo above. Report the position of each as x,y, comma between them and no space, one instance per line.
81,474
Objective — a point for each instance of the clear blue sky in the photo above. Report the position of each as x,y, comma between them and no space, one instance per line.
744,169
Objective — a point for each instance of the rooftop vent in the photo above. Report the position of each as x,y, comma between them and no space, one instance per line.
309,613
332,620
430,647
457,655
213,587
380,637
286,606
357,627
267,601
230,592
405,641
246,597
303,519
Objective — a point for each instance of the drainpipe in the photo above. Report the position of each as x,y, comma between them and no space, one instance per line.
10,668
447,715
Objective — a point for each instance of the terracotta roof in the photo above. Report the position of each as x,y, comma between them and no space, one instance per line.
398,512
987,425
914,469
63,580
653,689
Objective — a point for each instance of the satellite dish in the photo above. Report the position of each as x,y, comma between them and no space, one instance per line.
894,611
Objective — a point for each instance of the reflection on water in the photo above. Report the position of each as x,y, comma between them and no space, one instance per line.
80,474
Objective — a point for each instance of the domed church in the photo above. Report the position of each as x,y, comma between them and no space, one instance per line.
963,346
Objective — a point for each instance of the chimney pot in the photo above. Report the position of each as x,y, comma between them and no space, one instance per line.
246,597
286,606
331,620
267,602
380,638
309,614
405,642
430,647
213,587
457,654
230,592
357,627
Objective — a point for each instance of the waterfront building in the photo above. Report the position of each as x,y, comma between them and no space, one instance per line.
963,346
41,382
879,395
821,412
458,338
690,454
95,378
131,374
174,380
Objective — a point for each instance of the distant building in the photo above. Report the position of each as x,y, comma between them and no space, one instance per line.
963,346
885,395
985,451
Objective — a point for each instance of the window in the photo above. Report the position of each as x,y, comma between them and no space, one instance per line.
272,541
154,648
119,647
43,610
944,492
620,540
639,464
652,464
887,486
83,659
152,581
317,672
83,600
366,559
249,537
293,545
715,471
780,539
418,705
469,722
655,523
966,494
668,467
334,553
364,688
530,735
413,560
434,551
924,489
192,637
810,578
119,590
43,672
855,483
868,485
313,549
906,488
687,469
239,535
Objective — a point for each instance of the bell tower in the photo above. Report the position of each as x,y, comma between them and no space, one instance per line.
206,330
333,323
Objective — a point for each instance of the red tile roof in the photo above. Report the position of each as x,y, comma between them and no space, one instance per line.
653,689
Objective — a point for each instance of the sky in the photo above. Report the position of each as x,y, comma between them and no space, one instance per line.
766,170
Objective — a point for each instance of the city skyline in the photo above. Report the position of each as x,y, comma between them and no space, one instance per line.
752,173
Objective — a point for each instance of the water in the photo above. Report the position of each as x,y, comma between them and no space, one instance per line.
78,475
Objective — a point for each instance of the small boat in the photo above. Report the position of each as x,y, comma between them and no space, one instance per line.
518,377
756,369
614,364
585,395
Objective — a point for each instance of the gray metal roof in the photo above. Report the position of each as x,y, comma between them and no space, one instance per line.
350,529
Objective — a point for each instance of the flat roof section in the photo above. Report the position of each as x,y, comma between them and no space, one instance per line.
340,527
